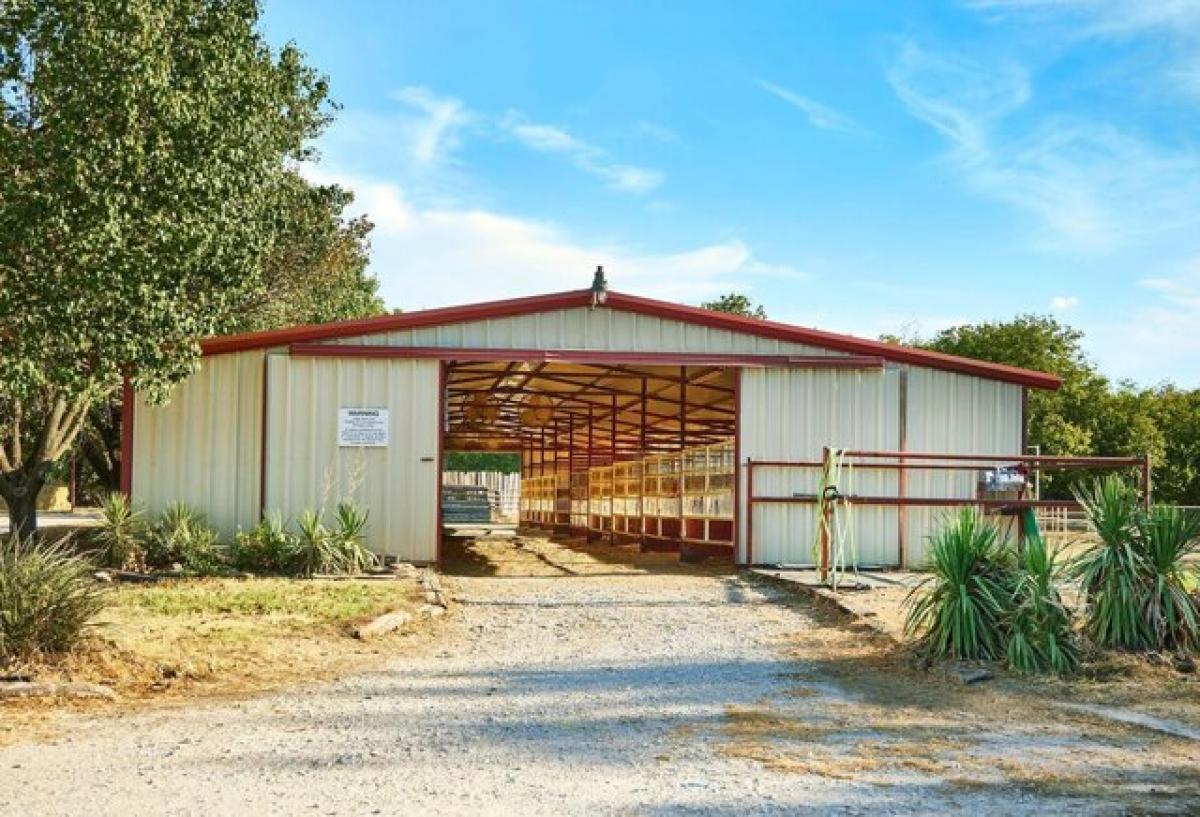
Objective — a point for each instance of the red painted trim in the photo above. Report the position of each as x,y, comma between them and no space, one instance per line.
127,402
750,499
831,340
630,303
581,356
737,461
389,323
440,464
262,447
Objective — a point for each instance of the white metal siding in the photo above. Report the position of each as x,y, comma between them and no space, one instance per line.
952,413
583,328
792,414
396,484
202,448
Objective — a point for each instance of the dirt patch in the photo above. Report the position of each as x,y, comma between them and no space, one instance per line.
179,641
864,710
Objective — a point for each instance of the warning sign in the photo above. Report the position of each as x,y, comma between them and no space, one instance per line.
363,427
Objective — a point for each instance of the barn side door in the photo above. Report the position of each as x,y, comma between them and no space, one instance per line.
383,456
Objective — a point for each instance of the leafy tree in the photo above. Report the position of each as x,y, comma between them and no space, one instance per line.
314,272
736,304
505,463
143,155
1088,415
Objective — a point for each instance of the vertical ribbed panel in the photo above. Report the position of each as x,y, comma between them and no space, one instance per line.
396,484
792,414
581,328
203,447
954,414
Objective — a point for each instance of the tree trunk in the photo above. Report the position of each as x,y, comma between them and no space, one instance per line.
20,490
101,444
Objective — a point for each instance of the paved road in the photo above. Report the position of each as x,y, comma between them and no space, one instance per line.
616,693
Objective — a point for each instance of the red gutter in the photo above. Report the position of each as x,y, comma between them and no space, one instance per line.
127,398
629,303
583,356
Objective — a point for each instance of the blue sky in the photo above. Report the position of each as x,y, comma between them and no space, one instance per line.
863,167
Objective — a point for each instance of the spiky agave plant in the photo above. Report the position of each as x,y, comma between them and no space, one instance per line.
1167,536
118,539
351,525
1041,635
1112,572
960,611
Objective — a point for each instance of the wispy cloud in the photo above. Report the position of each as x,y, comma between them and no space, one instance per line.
1063,303
1175,22
1090,185
437,130
582,154
819,115
430,256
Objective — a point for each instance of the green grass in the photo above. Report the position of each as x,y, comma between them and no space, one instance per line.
332,602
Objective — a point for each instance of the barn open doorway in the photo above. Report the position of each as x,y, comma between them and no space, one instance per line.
634,454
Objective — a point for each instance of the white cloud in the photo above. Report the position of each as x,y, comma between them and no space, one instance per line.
1063,303
819,115
1090,186
582,154
437,132
433,256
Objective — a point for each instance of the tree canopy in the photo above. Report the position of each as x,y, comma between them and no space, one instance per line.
136,207
1090,414
736,304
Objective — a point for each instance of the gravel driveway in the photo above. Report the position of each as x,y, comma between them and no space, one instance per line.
606,690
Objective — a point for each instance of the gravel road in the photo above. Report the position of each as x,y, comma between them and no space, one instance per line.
574,693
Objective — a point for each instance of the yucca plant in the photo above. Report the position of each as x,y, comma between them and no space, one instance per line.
1041,633
118,540
47,597
960,611
333,550
1135,577
182,536
1167,536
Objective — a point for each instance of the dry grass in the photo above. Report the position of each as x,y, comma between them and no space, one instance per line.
883,720
182,640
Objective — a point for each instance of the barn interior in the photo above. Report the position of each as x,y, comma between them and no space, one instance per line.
636,455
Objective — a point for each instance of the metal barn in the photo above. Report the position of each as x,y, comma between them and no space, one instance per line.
648,422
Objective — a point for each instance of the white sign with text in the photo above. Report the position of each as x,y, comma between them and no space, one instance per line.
363,427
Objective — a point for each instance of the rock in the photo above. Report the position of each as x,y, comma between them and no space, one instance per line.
103,576
382,624
1185,663
432,610
972,675
51,689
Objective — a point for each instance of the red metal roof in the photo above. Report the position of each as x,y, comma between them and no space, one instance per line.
630,303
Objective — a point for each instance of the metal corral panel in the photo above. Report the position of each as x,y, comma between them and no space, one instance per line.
954,414
396,484
202,448
582,328
792,414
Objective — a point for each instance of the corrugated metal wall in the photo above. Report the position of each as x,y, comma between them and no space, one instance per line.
952,413
202,448
396,484
582,328
791,414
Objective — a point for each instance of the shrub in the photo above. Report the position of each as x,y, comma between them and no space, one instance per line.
47,597
1041,633
118,539
961,611
1135,577
182,536
337,550
268,547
